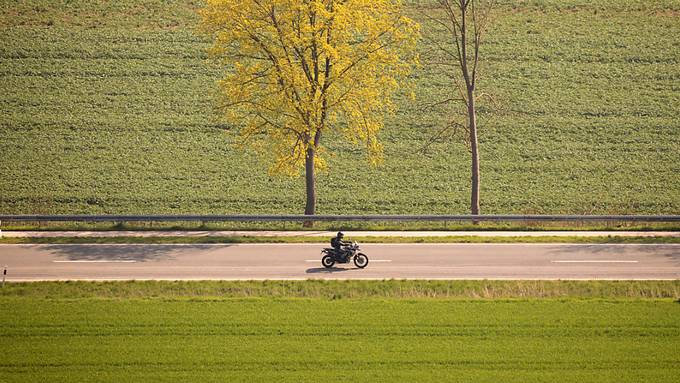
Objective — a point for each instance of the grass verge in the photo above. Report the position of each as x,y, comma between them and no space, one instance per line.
303,239
406,289
389,331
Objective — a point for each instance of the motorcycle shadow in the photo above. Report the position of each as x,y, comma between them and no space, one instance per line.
316,270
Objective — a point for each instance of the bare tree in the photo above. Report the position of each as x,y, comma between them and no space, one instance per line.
463,24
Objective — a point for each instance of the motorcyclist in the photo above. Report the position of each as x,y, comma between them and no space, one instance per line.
338,245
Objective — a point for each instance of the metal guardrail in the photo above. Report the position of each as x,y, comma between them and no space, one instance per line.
335,218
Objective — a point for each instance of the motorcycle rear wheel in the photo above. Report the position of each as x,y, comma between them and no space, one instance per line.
361,260
327,261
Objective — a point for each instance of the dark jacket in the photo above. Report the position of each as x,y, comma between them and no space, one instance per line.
337,243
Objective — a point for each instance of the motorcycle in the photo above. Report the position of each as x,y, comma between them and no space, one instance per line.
351,252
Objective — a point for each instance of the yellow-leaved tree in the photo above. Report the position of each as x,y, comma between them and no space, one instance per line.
295,69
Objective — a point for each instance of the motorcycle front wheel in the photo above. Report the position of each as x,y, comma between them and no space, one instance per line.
327,261
361,260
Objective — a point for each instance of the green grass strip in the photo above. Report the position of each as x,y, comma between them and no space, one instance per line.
399,289
340,331
314,340
345,226
306,239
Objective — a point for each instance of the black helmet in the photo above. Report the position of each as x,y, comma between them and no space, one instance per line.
340,234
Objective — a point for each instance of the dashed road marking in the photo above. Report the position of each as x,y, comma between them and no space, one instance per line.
98,261
369,261
594,261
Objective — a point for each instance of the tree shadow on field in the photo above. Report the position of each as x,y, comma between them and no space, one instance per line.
123,252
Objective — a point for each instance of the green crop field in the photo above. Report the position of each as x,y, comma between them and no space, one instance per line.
108,107
392,331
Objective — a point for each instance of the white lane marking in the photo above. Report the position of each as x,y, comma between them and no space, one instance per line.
369,261
97,261
595,261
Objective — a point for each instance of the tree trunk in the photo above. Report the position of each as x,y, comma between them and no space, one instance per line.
474,148
310,207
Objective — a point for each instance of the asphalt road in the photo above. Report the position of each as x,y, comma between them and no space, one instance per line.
302,261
